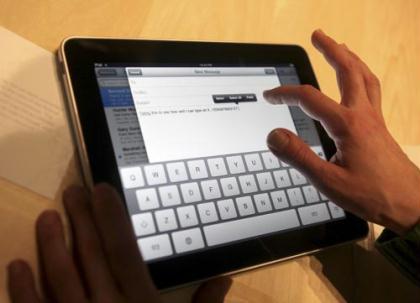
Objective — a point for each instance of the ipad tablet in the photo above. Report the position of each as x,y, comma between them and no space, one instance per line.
179,128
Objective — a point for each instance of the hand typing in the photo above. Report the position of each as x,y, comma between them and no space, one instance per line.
369,175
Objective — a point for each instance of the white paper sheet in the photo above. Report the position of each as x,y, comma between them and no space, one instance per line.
35,142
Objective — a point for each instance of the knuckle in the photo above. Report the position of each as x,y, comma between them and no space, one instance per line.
347,121
348,64
306,90
353,121
373,80
350,119
301,154
343,45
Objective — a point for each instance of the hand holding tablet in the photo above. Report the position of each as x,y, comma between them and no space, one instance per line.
105,264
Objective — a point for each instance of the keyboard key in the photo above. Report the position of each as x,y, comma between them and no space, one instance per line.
187,240
165,220
234,230
262,201
310,193
187,216
265,181
155,174
295,196
313,213
190,192
270,161
235,164
197,169
245,206
211,189
217,167
226,209
143,224
336,211
297,177
169,195
177,171
132,177
248,184
229,186
147,199
279,199
155,247
282,178
207,212
253,162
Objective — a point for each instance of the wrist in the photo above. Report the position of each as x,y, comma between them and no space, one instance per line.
405,208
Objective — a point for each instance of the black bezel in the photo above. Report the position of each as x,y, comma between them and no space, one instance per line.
82,53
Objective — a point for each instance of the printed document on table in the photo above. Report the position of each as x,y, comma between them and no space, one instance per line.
35,142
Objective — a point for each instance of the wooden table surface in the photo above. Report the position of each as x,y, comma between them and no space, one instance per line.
386,34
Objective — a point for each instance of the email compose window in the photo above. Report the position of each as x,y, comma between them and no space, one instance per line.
191,112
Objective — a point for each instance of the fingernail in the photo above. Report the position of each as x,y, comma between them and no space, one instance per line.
16,267
320,31
268,96
277,140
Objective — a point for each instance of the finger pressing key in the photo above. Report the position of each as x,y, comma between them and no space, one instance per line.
314,103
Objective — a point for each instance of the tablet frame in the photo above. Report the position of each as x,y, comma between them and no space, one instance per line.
77,57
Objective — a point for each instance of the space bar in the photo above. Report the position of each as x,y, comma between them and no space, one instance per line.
250,227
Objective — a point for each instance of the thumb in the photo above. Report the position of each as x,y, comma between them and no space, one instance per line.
294,151
213,291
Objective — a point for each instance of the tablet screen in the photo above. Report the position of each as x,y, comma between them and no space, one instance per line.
190,144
